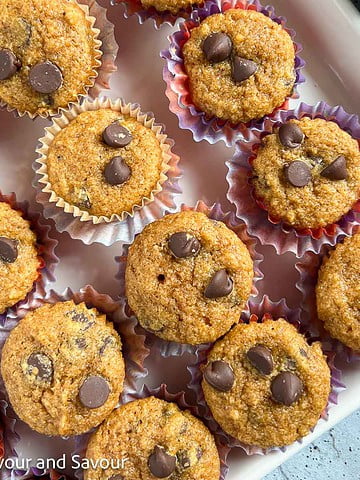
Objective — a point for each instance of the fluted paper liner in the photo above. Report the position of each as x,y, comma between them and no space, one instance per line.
250,209
177,81
215,212
106,50
266,309
80,224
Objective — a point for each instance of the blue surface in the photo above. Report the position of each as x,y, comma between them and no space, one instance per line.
336,455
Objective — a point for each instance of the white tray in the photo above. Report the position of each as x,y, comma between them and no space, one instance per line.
330,33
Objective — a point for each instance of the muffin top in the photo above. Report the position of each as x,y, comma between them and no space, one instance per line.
265,385
338,292
47,54
159,441
173,6
63,368
19,261
307,172
188,278
241,65
118,165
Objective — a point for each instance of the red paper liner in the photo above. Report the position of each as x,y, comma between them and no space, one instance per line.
46,254
250,209
215,212
175,75
264,310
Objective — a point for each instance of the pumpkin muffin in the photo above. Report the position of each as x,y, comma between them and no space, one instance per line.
158,440
63,368
188,278
48,54
117,167
338,292
265,385
241,65
19,261
307,173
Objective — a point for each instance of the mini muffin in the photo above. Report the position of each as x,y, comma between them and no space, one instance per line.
19,261
158,440
173,6
307,173
241,65
338,292
63,368
265,385
48,54
118,165
188,278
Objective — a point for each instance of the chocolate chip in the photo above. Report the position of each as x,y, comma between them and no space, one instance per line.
297,173
286,388
219,375
117,136
260,357
336,170
183,459
45,77
199,453
78,316
183,245
8,250
242,69
160,463
116,477
303,353
9,64
80,343
43,366
220,285
108,341
116,171
217,47
94,392
290,135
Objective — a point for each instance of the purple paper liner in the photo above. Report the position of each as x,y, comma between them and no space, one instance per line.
177,90
282,237
263,310
182,402
46,252
215,212
134,7
133,348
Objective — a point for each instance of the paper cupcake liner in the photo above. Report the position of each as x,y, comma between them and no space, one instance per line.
182,402
270,231
133,348
259,312
134,7
177,81
107,230
46,254
215,212
106,50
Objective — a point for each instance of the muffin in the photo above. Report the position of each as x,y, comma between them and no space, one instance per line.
307,173
158,440
338,292
265,385
63,368
19,261
118,167
188,278
172,6
49,54
240,64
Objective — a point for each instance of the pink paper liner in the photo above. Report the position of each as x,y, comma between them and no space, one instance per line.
241,193
182,402
116,231
264,310
134,352
215,212
134,7
46,253
175,76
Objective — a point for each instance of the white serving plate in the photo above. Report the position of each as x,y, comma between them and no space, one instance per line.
330,33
